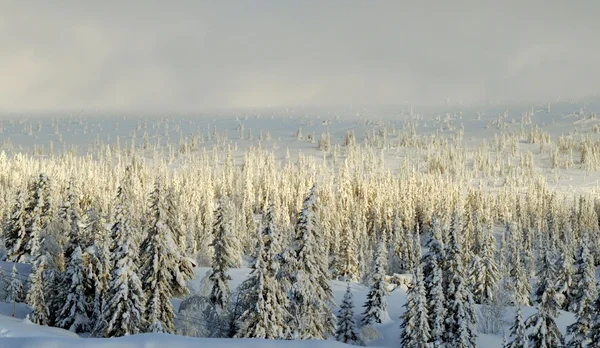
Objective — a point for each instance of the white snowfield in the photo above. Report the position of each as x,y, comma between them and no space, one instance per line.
156,341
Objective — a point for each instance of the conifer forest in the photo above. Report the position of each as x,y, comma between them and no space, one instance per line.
448,239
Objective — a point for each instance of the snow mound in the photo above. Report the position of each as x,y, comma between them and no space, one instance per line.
157,341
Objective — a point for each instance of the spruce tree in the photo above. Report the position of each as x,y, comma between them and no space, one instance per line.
484,272
74,314
160,259
545,333
518,336
460,317
97,265
124,304
518,283
433,262
14,230
415,329
182,274
223,259
311,296
265,314
36,295
376,305
584,289
347,331
594,333
38,219
583,297
14,288
348,269
70,217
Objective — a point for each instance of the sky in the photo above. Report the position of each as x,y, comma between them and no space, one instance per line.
196,55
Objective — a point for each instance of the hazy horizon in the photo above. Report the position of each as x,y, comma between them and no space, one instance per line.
200,55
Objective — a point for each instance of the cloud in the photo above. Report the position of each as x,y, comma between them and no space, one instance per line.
194,55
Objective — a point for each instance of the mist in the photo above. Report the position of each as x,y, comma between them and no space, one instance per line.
196,55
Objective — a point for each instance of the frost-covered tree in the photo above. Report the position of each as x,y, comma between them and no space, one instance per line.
484,273
311,296
376,304
265,314
460,316
74,314
565,279
224,246
36,295
182,274
518,283
583,297
544,332
14,229
348,268
69,215
125,297
518,334
415,329
584,289
347,330
38,220
15,291
594,333
96,260
29,219
160,259
433,263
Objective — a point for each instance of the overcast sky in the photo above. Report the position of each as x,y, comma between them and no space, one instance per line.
194,55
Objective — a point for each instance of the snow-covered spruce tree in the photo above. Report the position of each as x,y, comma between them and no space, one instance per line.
36,295
14,230
376,304
265,314
594,333
160,259
223,259
433,262
564,278
584,289
125,297
518,283
69,214
545,333
30,216
484,271
518,334
415,329
96,260
311,296
38,219
15,292
3,281
348,268
182,274
347,330
74,315
461,330
583,297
